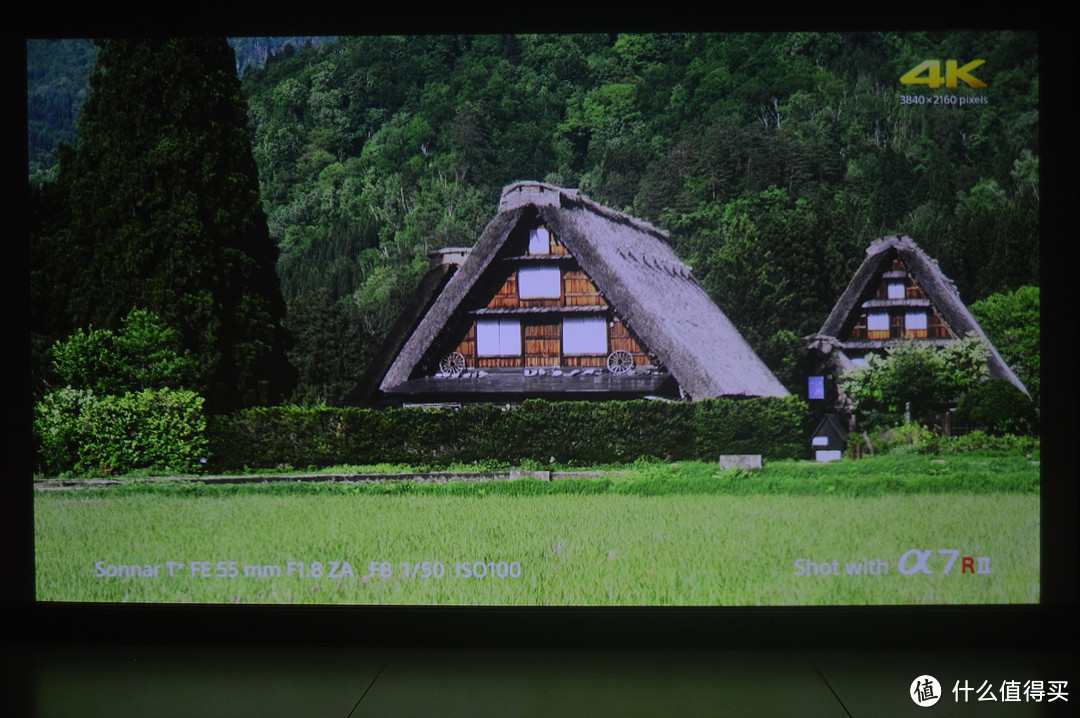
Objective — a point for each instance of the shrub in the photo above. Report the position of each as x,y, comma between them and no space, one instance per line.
59,428
906,438
914,438
979,441
915,376
774,428
121,410
144,354
159,429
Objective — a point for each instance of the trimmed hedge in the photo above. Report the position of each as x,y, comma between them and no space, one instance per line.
581,433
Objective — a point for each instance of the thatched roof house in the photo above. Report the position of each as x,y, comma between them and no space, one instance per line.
897,294
562,297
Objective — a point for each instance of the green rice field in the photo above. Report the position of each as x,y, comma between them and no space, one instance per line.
910,530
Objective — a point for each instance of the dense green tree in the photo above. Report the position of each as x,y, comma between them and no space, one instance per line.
914,380
1011,322
331,347
998,407
143,354
775,265
158,207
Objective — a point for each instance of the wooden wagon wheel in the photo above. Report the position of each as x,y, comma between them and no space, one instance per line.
620,361
452,364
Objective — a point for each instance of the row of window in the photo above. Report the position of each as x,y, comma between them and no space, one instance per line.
580,335
879,321
913,324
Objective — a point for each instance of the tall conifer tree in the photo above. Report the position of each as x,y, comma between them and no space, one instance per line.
159,209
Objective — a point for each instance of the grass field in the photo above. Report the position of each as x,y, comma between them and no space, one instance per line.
656,535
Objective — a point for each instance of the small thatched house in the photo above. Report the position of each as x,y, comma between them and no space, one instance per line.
898,294
563,298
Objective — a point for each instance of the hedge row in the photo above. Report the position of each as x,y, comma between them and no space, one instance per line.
536,431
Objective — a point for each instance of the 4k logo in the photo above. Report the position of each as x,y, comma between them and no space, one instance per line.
928,72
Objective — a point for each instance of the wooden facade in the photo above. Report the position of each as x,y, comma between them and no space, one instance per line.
542,309
898,308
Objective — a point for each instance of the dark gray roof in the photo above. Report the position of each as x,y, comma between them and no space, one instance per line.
431,284
538,383
939,289
640,276
830,426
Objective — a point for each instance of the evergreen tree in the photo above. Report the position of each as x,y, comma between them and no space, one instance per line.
158,207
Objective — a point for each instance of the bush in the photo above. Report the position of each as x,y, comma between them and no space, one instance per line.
914,377
159,429
120,410
59,428
999,408
144,354
914,438
582,433
907,438
774,428
978,441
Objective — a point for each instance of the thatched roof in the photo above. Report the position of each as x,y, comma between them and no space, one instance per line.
939,290
631,264
444,264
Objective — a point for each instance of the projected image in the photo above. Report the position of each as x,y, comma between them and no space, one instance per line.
743,319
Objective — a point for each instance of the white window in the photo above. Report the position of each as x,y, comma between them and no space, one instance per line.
896,290
915,320
538,241
584,335
543,282
877,322
498,337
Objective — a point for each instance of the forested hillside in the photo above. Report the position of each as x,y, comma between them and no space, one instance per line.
56,88
57,73
772,159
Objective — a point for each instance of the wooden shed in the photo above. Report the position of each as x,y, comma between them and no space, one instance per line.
561,298
829,439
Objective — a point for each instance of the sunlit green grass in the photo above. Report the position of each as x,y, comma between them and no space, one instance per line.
656,535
